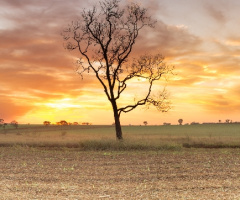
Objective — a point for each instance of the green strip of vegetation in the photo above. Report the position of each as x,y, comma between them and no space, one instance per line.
100,145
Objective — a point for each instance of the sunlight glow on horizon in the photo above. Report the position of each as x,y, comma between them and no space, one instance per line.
62,104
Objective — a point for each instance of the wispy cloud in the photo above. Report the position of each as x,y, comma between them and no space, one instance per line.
216,13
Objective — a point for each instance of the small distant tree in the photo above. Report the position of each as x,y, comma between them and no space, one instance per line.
1,122
180,121
14,123
46,123
104,37
145,123
63,123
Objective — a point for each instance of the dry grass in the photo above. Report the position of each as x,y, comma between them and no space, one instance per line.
136,138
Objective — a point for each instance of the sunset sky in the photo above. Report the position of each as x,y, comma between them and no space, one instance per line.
38,81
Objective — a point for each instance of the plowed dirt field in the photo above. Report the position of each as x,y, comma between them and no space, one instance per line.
37,173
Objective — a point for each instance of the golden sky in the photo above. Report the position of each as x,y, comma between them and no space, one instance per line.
38,79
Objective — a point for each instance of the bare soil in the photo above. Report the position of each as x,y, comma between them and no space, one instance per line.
40,173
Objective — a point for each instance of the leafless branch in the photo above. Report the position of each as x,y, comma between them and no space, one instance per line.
105,36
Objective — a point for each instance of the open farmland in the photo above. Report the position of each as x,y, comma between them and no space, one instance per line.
208,135
85,162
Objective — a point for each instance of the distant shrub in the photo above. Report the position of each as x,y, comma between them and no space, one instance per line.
210,145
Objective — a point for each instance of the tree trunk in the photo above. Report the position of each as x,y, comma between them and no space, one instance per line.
118,127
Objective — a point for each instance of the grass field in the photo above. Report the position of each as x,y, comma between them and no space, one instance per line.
175,136
152,163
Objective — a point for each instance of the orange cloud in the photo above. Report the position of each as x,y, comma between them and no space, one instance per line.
37,73
11,111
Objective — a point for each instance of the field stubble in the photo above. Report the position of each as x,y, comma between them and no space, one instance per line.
33,173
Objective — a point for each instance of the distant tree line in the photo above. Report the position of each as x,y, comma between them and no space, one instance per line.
65,123
13,123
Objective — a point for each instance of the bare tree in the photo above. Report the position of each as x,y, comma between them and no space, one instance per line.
105,37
